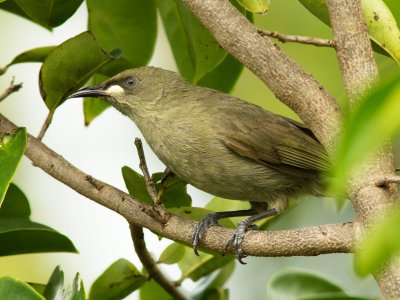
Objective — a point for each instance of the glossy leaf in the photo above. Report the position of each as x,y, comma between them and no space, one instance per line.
214,294
195,50
15,204
382,26
11,288
129,25
49,13
255,6
75,291
151,290
212,282
93,107
117,281
38,287
30,237
55,286
32,55
196,267
174,191
136,185
394,7
198,214
63,71
376,119
224,76
294,284
12,148
381,243
172,254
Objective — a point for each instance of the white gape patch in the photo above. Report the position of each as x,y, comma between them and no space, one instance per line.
115,90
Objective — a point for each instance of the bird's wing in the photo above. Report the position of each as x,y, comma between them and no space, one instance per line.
273,140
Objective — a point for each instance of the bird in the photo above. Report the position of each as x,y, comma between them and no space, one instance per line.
220,144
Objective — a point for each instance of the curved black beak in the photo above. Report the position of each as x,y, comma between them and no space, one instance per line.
90,91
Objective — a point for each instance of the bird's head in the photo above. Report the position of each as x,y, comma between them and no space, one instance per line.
134,90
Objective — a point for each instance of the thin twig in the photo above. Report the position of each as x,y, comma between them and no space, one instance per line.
151,188
150,265
298,39
11,89
45,125
383,181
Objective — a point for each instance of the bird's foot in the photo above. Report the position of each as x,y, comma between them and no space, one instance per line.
236,239
209,221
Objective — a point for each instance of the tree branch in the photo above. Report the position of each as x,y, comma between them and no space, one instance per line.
297,39
286,79
11,89
148,262
334,238
151,188
360,74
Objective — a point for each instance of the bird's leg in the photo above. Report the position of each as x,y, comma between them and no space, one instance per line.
212,220
236,239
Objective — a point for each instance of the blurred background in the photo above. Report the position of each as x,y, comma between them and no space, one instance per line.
100,235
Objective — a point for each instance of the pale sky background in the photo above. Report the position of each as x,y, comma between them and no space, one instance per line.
101,236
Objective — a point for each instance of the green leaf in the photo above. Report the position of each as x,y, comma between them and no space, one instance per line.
68,67
224,76
381,243
195,50
382,26
93,107
151,290
15,204
214,294
117,281
196,267
39,287
12,7
32,55
136,185
172,254
255,6
55,286
49,13
198,214
295,284
11,288
19,236
212,282
129,25
76,291
12,148
174,191
375,120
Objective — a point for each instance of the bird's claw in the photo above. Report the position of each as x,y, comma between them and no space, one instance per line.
209,221
236,239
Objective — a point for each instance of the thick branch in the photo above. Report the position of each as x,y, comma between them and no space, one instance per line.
335,238
287,80
151,266
360,74
353,47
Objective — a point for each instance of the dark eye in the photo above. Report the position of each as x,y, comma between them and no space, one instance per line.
130,82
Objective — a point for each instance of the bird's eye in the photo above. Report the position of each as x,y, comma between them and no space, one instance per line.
130,82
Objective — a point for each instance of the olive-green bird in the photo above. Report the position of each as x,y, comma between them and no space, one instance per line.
218,143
